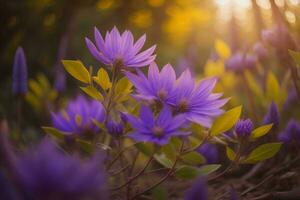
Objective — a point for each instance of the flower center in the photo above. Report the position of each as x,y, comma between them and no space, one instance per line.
158,131
183,105
162,94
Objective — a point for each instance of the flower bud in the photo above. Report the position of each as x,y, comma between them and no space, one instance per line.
19,79
243,128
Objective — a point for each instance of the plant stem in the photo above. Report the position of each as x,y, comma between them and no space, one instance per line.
170,172
135,176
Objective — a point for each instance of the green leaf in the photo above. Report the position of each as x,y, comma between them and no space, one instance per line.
193,158
92,92
296,57
226,121
102,79
85,146
208,169
273,88
230,153
159,193
222,49
169,150
263,152
187,172
145,148
77,70
163,160
54,132
261,131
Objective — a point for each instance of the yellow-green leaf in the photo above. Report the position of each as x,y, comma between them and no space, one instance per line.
208,169
187,172
92,92
54,132
222,49
163,160
296,56
193,158
102,79
261,131
77,70
253,84
263,152
273,88
230,153
226,121
123,89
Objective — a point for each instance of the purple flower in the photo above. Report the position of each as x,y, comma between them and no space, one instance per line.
291,132
46,173
157,86
210,152
197,102
158,129
291,99
19,79
272,117
260,51
115,128
239,61
78,116
243,128
117,48
198,191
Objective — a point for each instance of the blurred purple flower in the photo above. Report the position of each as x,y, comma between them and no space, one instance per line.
198,191
239,61
78,116
292,98
115,128
243,128
46,173
210,152
19,79
279,37
118,48
157,86
272,117
197,102
291,132
260,51
156,129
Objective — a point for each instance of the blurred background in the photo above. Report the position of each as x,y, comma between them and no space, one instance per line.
185,31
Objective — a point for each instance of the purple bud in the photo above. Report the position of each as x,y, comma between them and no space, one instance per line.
291,132
239,61
210,152
235,62
197,191
260,51
243,128
249,61
233,194
272,117
60,81
292,98
114,128
19,79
